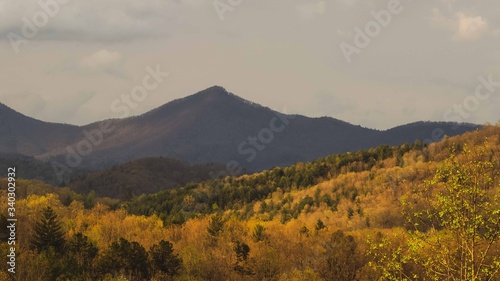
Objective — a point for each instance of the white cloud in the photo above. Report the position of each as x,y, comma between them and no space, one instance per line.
310,10
464,27
103,61
100,60
470,28
187,39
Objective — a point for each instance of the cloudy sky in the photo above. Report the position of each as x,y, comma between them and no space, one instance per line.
69,60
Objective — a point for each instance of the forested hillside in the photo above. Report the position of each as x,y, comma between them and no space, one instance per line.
143,176
31,168
411,212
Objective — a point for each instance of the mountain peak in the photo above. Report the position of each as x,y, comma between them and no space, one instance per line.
215,95
214,91
220,92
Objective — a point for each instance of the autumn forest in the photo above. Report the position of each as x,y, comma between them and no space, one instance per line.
409,212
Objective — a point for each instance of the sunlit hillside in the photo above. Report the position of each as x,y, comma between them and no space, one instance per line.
412,212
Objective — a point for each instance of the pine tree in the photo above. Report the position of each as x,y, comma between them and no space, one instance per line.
126,258
164,259
90,200
82,249
48,232
320,225
215,226
259,233
77,263
242,251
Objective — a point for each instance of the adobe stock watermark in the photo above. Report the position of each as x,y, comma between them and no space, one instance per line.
95,137
460,112
48,9
223,6
255,144
363,37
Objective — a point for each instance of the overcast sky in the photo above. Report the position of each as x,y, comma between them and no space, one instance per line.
284,54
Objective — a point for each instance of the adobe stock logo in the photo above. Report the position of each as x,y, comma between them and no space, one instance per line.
363,37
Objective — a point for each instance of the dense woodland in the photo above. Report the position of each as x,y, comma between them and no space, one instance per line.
143,176
412,212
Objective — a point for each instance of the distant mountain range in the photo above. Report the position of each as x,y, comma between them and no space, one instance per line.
211,126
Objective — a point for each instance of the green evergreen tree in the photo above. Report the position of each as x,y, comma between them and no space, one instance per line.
215,226
79,258
163,258
90,200
48,232
320,225
242,250
259,233
126,258
304,231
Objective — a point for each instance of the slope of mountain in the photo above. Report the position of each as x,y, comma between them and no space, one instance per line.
369,181
25,135
30,168
210,126
143,176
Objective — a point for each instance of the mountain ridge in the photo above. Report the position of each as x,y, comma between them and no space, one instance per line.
212,125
